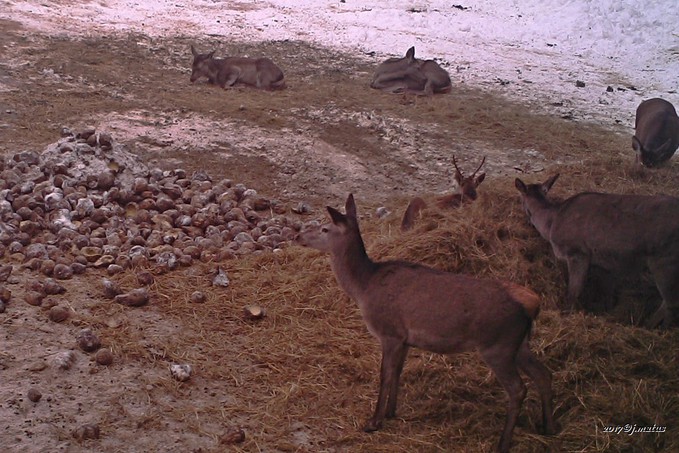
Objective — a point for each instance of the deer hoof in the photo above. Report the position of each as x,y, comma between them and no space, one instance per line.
372,426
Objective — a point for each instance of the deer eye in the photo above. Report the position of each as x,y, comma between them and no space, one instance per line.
324,229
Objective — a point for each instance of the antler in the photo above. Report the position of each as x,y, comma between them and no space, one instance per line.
456,167
482,162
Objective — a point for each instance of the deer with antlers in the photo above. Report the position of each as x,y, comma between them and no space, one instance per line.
466,192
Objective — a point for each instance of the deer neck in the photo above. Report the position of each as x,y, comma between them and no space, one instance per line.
542,214
352,267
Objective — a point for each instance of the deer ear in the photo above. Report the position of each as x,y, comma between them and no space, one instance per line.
479,179
410,54
549,183
194,51
350,206
336,216
520,185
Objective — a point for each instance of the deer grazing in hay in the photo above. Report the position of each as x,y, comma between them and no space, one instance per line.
617,233
410,75
226,72
409,305
656,136
466,192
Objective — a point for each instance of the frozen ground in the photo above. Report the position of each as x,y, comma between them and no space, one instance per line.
530,49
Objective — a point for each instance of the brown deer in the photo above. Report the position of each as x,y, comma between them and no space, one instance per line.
617,233
226,72
466,192
410,305
656,136
410,75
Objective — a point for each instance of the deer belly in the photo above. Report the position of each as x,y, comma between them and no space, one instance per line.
429,341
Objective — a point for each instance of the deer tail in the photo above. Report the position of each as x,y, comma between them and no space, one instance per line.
526,297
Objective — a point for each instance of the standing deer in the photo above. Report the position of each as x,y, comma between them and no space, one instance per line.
257,72
656,132
410,75
616,233
409,305
466,192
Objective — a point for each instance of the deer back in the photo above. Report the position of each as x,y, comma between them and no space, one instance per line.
396,65
656,132
612,223
441,311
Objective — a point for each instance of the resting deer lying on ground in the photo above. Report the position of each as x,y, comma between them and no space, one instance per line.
409,305
466,192
257,72
617,233
656,132
410,75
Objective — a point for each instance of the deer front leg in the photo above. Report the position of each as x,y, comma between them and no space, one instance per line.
393,392
229,77
578,268
393,357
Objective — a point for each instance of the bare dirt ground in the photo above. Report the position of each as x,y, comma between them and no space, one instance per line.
326,135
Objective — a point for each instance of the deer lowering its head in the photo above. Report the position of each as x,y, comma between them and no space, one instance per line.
617,233
466,192
656,132
410,75
409,305
226,72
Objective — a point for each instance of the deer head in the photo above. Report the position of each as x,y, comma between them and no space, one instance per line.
469,184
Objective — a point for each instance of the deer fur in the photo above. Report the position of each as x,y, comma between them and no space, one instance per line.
466,192
410,75
617,233
226,72
656,136
408,305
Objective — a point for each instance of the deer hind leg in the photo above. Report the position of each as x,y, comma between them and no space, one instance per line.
263,80
503,363
394,352
428,88
542,378
666,275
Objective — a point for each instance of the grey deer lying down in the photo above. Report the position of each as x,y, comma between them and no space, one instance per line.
226,72
466,192
656,137
409,305
410,75
618,233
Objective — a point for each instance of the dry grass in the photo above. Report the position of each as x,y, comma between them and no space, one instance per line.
305,377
